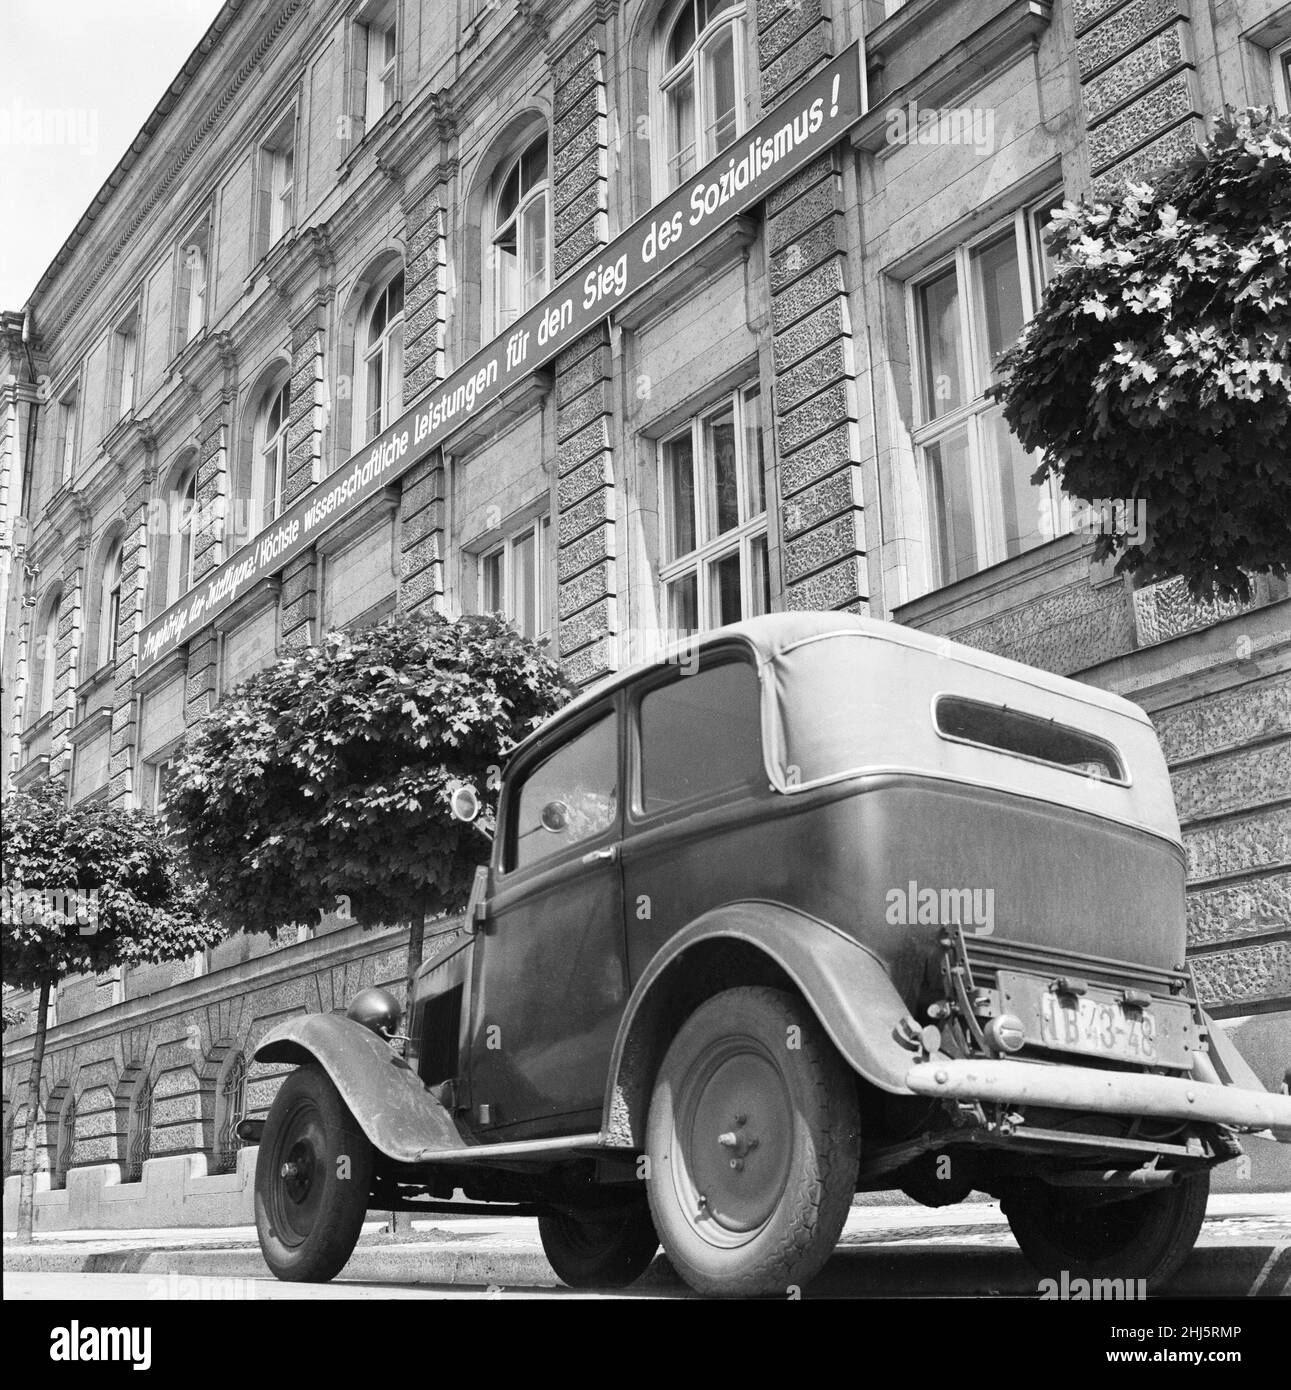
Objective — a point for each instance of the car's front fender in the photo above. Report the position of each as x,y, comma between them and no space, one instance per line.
845,985
396,1112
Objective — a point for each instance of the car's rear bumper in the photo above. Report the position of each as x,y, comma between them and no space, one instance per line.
1108,1092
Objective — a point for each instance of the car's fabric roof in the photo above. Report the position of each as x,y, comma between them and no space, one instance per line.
774,633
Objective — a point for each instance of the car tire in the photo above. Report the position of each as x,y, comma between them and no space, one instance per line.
313,1178
753,1140
608,1248
1146,1237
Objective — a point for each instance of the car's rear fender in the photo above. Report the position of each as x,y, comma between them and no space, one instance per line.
756,942
396,1112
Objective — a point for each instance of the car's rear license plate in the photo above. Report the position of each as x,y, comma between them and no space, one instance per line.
1159,1034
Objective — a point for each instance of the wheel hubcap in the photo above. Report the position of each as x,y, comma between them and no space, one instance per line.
299,1190
735,1127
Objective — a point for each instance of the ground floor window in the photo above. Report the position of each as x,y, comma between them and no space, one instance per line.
714,566
513,578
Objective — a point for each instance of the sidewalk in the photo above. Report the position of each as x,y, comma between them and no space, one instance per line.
1245,1247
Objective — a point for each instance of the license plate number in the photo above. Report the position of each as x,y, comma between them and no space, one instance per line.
1088,1025
1099,1022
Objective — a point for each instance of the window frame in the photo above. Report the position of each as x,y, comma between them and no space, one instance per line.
192,297
506,865
179,575
47,636
68,437
110,604
1280,75
539,527
367,352
711,546
497,227
720,655
261,442
1034,270
380,23
667,77
124,361
275,195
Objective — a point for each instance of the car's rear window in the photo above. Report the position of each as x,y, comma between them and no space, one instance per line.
1026,736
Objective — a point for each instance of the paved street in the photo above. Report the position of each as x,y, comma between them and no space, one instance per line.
886,1251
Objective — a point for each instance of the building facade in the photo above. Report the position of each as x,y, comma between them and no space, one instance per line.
337,205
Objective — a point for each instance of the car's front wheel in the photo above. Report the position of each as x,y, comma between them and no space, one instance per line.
313,1177
608,1247
1145,1237
753,1140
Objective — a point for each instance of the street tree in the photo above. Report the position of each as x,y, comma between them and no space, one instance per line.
86,888
1158,368
327,778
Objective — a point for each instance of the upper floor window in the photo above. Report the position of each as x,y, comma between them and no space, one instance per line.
276,184
702,82
513,579
714,544
269,472
67,404
381,345
520,241
980,504
382,55
191,284
46,659
123,360
110,606
183,540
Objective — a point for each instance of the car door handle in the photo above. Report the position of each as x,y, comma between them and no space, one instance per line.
608,855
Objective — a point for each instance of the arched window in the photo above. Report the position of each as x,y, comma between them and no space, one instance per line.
183,539
381,349
702,82
139,1130
269,473
231,1109
109,606
65,1151
45,658
519,233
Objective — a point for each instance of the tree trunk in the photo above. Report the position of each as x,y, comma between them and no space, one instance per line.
401,1221
27,1186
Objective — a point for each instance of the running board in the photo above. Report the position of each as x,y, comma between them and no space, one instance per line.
519,1150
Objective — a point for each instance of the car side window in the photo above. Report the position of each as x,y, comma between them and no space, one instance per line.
701,734
570,797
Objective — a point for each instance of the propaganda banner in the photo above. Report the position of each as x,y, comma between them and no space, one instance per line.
816,117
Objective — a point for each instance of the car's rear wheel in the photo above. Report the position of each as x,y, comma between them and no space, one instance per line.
753,1140
606,1248
1144,1237
313,1178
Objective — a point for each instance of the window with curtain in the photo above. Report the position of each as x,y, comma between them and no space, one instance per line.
519,234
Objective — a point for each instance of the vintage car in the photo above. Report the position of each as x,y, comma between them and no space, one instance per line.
813,905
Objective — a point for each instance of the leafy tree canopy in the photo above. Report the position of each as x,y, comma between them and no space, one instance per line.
1159,364
89,887
329,775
